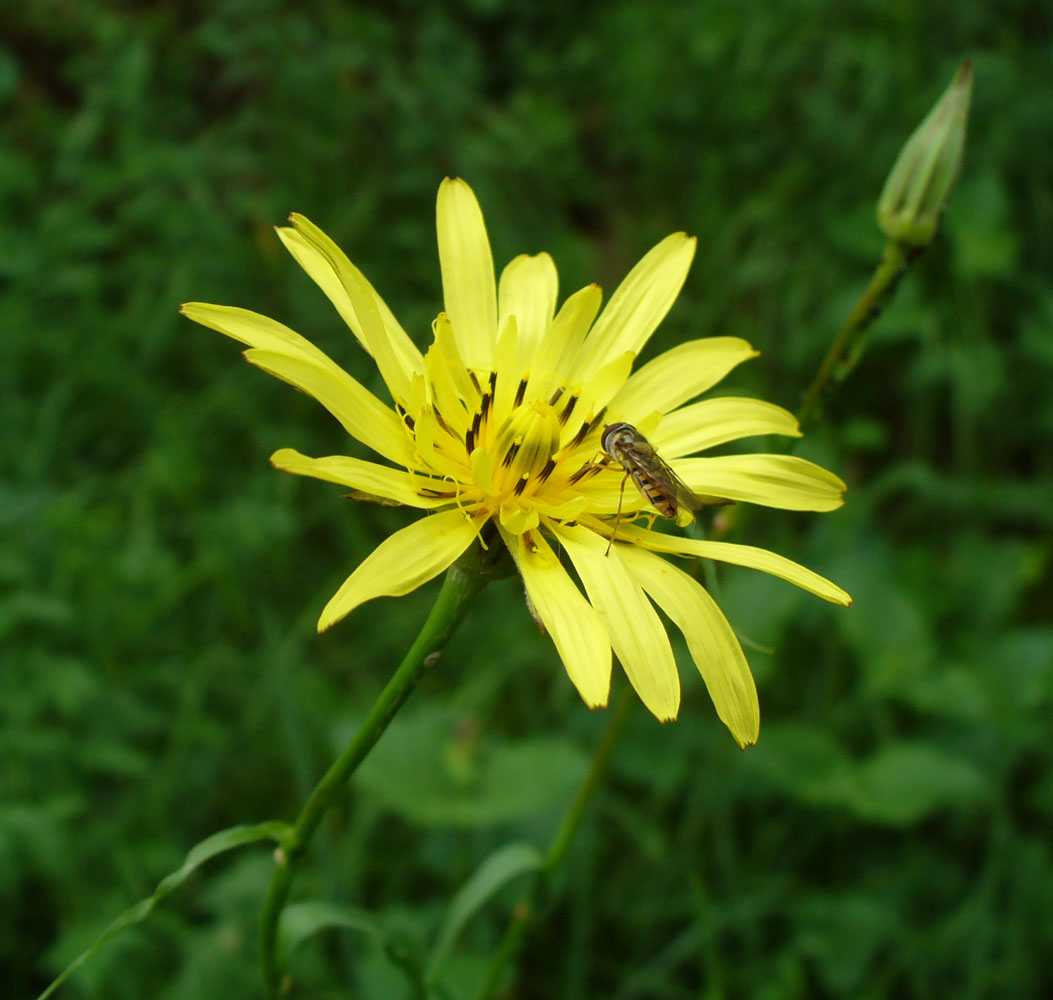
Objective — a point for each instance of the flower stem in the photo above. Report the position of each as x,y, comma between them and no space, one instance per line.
459,589
894,262
523,912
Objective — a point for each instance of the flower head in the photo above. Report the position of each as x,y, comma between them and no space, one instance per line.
500,422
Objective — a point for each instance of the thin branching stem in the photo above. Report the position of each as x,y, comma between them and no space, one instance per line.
459,589
525,910
894,262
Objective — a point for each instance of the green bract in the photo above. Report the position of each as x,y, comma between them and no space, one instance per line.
920,183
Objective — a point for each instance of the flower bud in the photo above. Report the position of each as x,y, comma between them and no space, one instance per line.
917,189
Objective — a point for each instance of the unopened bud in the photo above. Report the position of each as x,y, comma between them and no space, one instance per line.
917,189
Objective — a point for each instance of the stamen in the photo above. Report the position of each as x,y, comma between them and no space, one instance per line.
589,469
520,393
565,415
405,417
555,396
472,432
442,423
521,485
426,491
583,432
511,453
547,470
584,470
475,382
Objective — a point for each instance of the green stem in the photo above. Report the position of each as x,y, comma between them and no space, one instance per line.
459,589
883,283
524,911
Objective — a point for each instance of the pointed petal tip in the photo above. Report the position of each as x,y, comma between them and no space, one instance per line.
326,620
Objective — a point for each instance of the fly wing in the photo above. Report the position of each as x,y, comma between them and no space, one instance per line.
675,489
685,496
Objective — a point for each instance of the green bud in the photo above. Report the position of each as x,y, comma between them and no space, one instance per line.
917,189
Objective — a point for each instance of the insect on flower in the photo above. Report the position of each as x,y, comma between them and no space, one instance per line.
658,484
494,425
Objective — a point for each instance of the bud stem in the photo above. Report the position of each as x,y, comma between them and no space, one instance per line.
894,262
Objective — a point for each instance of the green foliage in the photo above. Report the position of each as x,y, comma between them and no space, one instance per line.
160,676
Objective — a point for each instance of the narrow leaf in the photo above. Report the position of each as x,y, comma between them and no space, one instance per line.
505,864
210,847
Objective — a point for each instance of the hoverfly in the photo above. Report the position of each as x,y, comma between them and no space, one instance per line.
662,488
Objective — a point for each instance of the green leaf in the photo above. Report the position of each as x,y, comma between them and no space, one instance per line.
805,763
505,864
300,921
429,770
210,847
906,782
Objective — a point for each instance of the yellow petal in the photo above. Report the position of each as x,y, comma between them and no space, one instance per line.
739,555
446,345
596,393
638,305
516,519
678,375
636,632
377,480
469,289
527,290
482,462
715,421
251,328
509,372
562,341
403,561
710,639
362,415
358,303
574,625
783,481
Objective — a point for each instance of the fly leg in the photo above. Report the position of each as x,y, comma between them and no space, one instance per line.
618,516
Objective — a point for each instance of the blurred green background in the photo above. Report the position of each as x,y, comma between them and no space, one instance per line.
890,836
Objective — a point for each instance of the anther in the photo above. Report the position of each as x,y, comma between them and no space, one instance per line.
511,453
584,470
521,485
583,432
442,423
565,415
520,393
547,470
470,434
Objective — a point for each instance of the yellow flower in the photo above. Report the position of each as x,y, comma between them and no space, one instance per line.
500,421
